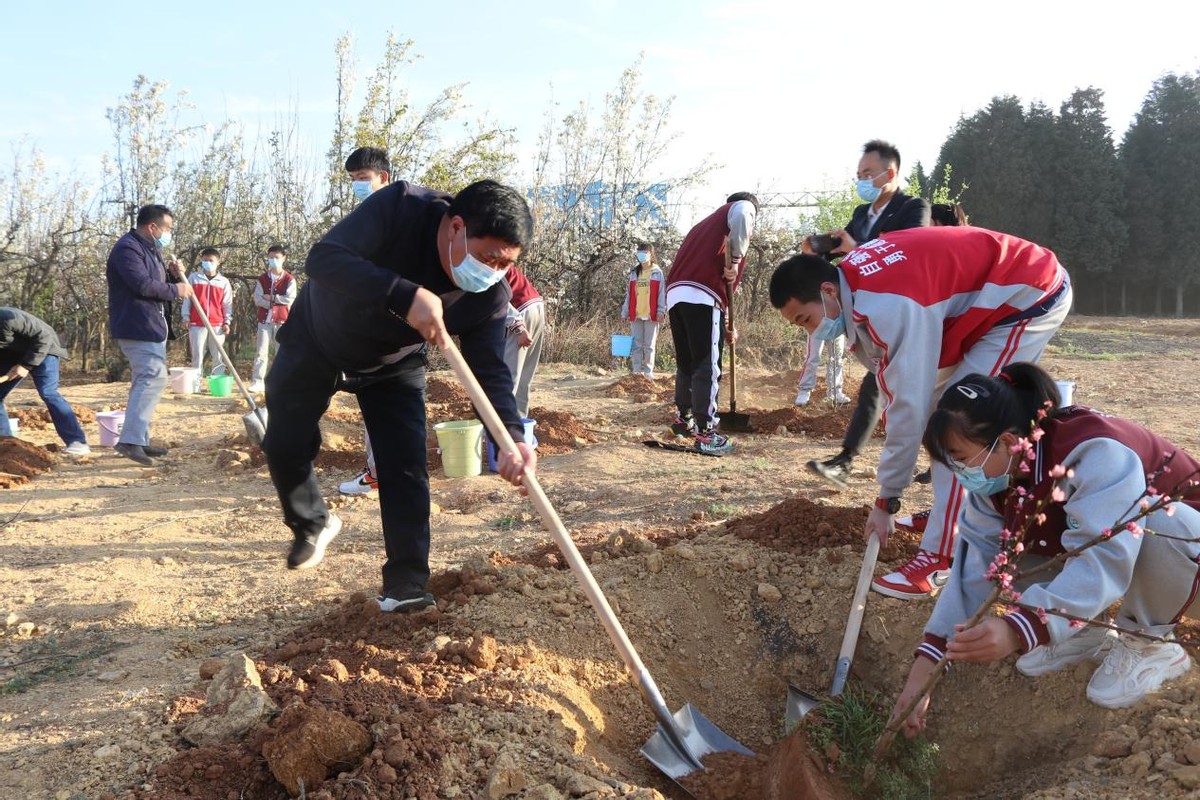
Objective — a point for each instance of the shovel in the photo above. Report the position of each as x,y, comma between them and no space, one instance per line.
256,420
731,420
682,739
800,702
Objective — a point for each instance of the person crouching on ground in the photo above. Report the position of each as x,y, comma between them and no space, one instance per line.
409,266
975,432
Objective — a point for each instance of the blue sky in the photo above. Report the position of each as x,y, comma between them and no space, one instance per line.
782,93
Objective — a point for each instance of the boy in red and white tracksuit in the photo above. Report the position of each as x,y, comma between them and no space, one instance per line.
922,308
214,298
274,292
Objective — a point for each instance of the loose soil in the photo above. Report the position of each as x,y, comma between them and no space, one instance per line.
122,586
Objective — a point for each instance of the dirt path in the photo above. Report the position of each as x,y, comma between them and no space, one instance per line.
117,582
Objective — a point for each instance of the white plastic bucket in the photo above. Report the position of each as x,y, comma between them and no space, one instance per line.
110,423
1066,390
15,424
461,445
185,380
492,450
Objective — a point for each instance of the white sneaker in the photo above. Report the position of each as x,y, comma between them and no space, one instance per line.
802,397
840,399
1091,643
77,449
1135,668
362,483
257,386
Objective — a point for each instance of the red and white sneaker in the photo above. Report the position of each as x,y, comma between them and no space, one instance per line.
914,522
921,577
362,483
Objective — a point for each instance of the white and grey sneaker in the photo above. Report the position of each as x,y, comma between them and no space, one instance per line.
77,449
405,599
307,551
1135,668
1090,644
802,397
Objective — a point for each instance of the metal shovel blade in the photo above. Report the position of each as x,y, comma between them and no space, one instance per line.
799,704
733,422
700,736
256,425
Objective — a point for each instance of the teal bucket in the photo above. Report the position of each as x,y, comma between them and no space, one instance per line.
461,445
622,345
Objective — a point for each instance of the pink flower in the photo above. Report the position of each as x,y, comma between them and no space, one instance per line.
1024,466
1057,471
1019,548
1144,505
1043,616
1036,434
1170,510
1058,495
1076,624
1135,529
1040,519
1106,533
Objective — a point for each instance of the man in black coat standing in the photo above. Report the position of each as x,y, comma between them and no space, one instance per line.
885,208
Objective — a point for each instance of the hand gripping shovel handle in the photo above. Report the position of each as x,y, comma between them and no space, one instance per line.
575,561
859,606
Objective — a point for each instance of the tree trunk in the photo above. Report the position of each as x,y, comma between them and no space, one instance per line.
1123,299
1158,300
1179,300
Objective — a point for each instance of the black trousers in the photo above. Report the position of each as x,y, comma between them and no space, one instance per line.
699,334
867,412
299,386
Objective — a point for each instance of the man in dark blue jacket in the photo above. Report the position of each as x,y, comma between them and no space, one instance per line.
138,298
28,346
407,267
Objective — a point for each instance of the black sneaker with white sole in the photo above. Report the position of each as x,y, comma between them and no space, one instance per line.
834,470
405,599
307,551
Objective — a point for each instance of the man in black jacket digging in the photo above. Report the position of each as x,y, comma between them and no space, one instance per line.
407,267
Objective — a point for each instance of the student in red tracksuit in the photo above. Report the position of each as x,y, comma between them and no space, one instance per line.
921,308
645,306
214,294
711,258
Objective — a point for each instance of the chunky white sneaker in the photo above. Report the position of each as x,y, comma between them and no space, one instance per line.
362,483
307,551
1135,668
840,399
77,449
1090,644
802,397
257,387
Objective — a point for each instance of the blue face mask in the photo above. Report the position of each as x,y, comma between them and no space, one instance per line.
472,275
362,189
164,239
975,481
829,328
867,189
274,263
208,266
642,256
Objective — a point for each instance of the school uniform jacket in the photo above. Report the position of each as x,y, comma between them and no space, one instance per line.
1111,459
916,300
658,294
700,261
274,296
214,295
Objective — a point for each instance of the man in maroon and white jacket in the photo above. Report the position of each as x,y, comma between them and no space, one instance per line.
712,256
274,293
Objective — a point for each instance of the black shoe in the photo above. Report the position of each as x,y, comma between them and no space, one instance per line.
307,551
835,470
404,599
157,452
924,477
134,452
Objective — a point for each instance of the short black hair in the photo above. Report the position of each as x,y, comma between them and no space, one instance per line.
276,248
947,214
645,247
210,251
492,209
800,278
886,151
979,407
152,214
369,158
736,196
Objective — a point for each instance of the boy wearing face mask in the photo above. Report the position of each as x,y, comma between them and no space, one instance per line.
921,308
411,266
274,292
369,170
213,297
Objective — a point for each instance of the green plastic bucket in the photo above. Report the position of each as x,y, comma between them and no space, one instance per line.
220,385
460,443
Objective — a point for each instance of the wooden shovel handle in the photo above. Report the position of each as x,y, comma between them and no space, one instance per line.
857,608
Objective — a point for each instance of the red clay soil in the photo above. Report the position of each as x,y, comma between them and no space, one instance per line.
641,389
558,431
789,770
800,526
20,461
828,424
38,419
443,390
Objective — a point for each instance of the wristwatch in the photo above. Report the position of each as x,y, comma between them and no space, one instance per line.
889,504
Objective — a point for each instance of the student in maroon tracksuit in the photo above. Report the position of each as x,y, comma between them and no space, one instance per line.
921,308
712,256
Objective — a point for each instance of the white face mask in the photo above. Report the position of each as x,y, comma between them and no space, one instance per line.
209,267
275,265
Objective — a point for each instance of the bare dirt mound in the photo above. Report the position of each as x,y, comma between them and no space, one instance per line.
800,525
443,390
641,389
789,769
826,424
559,431
20,461
38,418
